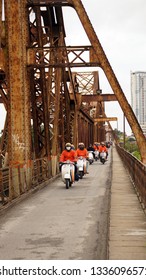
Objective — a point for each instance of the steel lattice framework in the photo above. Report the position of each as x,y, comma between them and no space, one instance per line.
47,104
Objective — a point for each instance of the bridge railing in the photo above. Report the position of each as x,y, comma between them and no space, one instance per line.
137,171
39,170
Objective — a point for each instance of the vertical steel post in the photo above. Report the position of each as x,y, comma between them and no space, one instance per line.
18,92
56,117
0,21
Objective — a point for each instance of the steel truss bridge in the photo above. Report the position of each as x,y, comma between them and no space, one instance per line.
47,103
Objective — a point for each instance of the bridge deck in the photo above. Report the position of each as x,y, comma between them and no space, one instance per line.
55,223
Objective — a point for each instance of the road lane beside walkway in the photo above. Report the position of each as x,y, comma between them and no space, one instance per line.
56,223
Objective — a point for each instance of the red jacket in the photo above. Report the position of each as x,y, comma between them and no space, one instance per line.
68,155
82,153
96,148
103,149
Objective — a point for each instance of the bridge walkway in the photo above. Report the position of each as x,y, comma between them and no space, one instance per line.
127,233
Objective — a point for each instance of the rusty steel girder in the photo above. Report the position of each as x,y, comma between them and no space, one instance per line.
105,119
55,79
105,65
55,58
99,98
3,93
86,128
51,3
88,83
19,126
44,102
78,56
88,91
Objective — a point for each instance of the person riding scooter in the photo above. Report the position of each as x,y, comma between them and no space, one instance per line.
82,152
96,146
91,148
102,148
96,152
91,154
69,154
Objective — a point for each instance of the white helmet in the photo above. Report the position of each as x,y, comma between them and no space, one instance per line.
68,146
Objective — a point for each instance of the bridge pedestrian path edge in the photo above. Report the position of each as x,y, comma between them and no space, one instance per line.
127,229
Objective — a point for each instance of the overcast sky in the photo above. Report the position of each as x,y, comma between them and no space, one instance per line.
121,28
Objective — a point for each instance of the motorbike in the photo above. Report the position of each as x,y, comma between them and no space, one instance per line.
96,153
81,166
68,173
90,157
103,157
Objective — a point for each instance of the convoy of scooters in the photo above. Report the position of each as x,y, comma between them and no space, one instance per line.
68,167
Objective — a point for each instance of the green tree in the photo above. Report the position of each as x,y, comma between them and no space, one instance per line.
131,147
130,143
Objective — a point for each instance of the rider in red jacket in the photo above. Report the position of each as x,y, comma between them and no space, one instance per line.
96,146
69,154
82,151
102,148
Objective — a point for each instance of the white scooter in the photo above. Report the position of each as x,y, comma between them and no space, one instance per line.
96,153
103,157
68,173
90,157
81,166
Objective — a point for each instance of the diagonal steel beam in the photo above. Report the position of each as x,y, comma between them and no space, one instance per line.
105,65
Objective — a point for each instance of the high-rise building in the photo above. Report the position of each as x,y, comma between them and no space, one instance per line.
138,97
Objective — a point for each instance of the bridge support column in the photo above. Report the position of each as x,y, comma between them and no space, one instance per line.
18,96
55,143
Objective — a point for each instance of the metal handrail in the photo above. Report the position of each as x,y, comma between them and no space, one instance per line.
40,171
137,172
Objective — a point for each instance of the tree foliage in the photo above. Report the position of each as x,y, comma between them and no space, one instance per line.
130,143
